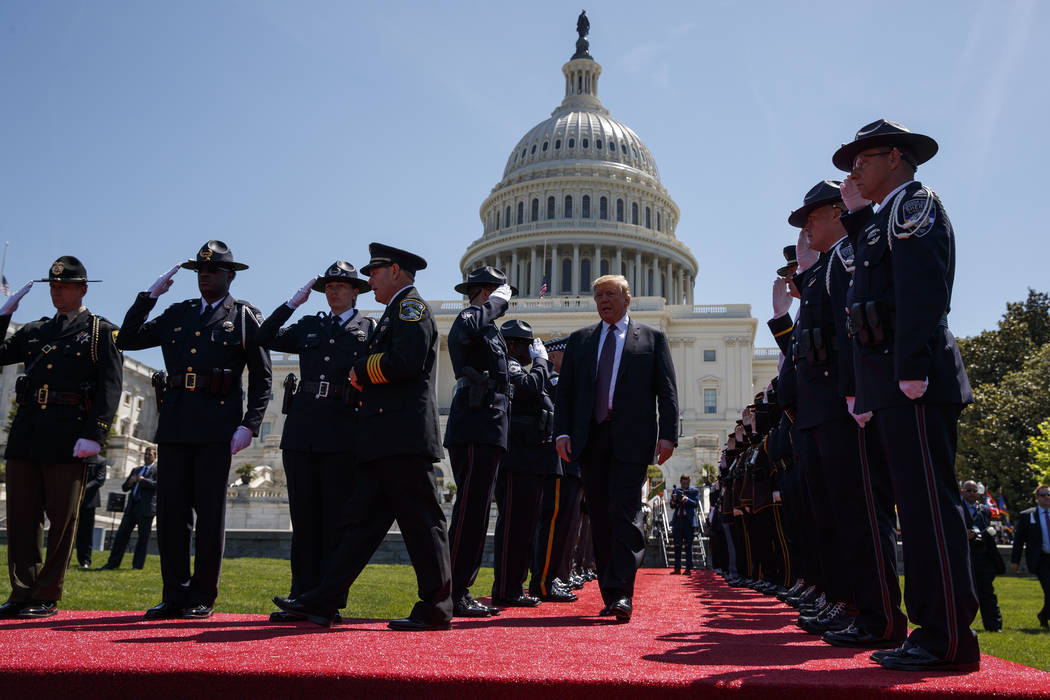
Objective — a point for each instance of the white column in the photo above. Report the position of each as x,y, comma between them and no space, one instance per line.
638,281
670,286
596,264
619,260
690,281
575,268
658,289
513,276
555,271
681,285
534,277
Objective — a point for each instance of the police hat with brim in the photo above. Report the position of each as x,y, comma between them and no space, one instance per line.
384,255
516,329
557,344
885,133
792,262
823,193
67,269
341,271
483,276
214,253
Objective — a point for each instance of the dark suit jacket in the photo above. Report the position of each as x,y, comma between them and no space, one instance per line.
96,476
146,502
983,549
1028,534
645,400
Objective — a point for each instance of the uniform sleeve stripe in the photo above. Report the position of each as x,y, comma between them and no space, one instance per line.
379,369
371,372
785,331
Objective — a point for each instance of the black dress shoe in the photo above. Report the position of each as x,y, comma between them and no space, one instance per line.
292,605
854,636
559,594
282,616
163,611
37,608
575,582
11,608
522,601
621,609
408,624
196,612
918,659
877,656
606,611
107,567
676,571
468,607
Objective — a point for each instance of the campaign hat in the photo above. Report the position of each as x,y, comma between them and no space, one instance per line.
516,328
214,253
484,275
67,269
821,194
383,255
341,271
792,262
885,133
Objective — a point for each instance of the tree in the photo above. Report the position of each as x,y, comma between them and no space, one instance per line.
245,472
1039,452
1022,331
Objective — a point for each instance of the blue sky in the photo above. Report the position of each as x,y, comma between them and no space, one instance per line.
131,132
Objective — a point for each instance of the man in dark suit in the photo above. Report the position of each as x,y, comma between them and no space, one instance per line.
96,476
1032,532
138,513
207,344
684,499
984,555
617,405
66,401
396,446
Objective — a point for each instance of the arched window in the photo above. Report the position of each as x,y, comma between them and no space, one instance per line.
535,213
603,208
557,144
648,217
521,212
533,148
572,143
585,207
603,267
566,276
619,210
598,144
634,213
585,143
550,207
585,275
567,212
545,145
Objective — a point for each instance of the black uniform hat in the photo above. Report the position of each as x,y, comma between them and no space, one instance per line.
214,253
67,269
792,261
821,194
516,329
486,274
384,255
557,344
885,133
341,271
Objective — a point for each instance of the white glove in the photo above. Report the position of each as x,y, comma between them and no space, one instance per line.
11,305
300,297
851,195
781,298
242,437
85,448
502,292
537,349
163,282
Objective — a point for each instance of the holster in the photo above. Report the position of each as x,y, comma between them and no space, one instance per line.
289,391
159,380
478,386
871,323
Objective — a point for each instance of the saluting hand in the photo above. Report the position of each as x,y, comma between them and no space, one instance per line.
11,305
851,194
806,256
300,297
163,282
781,298
502,292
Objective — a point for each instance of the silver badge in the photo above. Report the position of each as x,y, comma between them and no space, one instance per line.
227,325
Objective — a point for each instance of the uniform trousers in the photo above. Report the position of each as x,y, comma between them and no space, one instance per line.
36,489
741,545
862,506
834,581
613,489
683,532
192,483
559,523
726,525
583,547
319,484
795,512
919,442
133,517
475,467
804,513
984,583
85,535
770,545
518,496
399,488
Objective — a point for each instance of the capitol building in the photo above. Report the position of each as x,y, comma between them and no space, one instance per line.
580,196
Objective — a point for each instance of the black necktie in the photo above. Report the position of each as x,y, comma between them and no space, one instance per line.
604,380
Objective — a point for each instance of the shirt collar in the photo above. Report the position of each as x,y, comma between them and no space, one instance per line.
893,192
206,305
620,325
346,315
73,314
401,290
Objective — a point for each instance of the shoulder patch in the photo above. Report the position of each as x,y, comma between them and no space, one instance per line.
114,334
918,214
411,310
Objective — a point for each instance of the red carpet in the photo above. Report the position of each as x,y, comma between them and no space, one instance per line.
690,637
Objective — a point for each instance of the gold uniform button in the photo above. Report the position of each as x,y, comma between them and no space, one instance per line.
189,369
50,366
331,341
327,358
380,410
196,333
193,351
360,403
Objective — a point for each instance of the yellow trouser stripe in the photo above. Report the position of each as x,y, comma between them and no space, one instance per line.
550,536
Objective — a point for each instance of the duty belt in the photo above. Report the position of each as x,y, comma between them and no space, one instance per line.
323,389
44,396
493,385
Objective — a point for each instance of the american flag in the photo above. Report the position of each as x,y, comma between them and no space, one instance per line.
543,288
5,287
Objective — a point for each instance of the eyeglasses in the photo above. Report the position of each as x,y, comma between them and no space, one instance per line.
858,162
1044,494
970,490
210,268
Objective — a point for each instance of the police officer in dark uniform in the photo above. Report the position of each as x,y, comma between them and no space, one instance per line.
317,443
207,343
910,377
395,446
530,458
66,401
559,523
96,477
476,432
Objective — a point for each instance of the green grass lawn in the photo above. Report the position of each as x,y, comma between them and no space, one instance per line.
389,591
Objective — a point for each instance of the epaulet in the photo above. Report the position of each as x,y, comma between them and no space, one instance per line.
412,309
514,367
255,313
914,213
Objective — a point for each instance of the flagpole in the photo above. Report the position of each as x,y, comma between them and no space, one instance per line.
3,263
